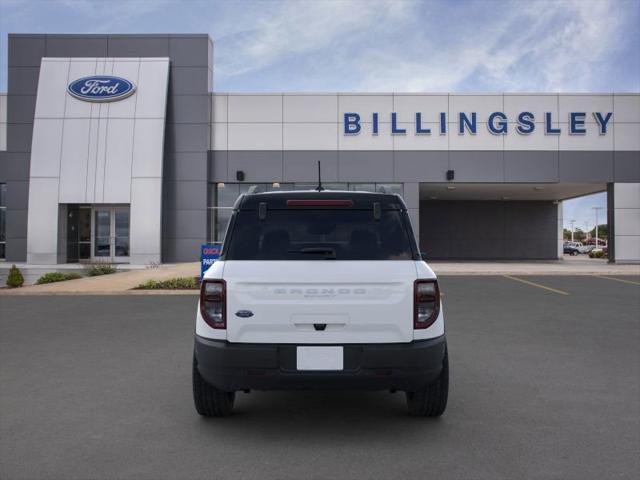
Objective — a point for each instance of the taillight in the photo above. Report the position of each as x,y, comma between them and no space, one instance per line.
426,303
213,301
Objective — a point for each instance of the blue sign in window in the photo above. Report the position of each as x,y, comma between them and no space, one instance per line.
209,253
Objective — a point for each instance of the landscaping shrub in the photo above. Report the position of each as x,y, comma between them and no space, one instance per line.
15,278
100,269
596,254
52,277
181,283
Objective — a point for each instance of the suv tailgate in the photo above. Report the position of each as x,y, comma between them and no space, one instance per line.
316,302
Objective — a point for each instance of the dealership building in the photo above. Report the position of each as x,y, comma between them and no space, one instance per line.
117,148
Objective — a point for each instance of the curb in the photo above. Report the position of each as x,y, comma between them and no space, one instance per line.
17,293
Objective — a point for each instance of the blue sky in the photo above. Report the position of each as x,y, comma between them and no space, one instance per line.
385,45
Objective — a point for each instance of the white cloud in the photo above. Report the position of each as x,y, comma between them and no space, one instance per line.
411,46
542,47
276,32
378,45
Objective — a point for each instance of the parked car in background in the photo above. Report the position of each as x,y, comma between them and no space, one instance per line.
586,248
572,248
596,254
599,252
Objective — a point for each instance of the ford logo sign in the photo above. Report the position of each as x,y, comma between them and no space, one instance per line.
101,88
244,313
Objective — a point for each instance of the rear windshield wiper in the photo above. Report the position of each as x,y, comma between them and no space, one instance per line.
329,252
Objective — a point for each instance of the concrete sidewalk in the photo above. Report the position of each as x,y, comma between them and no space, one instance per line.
116,283
580,265
124,282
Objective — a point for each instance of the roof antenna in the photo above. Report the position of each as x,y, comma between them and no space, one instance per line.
319,187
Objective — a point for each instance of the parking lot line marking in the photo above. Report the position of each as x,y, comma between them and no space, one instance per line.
618,279
534,284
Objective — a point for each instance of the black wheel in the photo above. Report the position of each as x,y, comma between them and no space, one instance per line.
574,253
209,401
432,401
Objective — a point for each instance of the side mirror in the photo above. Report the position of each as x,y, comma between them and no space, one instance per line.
423,255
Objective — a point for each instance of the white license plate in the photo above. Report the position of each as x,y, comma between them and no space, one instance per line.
320,358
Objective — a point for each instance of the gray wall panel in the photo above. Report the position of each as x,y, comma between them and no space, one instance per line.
477,166
76,46
17,195
16,224
531,230
259,166
626,166
586,166
26,50
187,137
23,80
302,165
485,247
63,212
185,195
185,166
186,148
19,137
17,248
530,166
4,159
611,223
478,230
138,46
488,230
190,51
182,249
428,165
188,109
469,166
22,108
186,223
365,166
188,80
16,167
218,162
435,230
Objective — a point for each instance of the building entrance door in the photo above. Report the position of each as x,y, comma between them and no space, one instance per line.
78,233
110,234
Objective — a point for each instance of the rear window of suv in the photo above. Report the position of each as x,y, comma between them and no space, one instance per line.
306,234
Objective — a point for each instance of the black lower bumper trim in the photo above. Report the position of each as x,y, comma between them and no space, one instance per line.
396,366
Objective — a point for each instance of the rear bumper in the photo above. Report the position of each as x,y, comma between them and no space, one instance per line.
396,366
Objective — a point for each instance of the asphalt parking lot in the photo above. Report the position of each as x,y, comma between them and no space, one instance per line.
545,384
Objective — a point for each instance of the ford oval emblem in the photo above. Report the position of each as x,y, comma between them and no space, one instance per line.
101,88
244,313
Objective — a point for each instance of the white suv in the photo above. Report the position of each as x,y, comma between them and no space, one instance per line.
320,290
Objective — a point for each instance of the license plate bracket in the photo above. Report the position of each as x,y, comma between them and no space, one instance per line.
320,358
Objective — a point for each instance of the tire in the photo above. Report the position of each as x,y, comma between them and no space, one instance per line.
209,401
574,253
432,401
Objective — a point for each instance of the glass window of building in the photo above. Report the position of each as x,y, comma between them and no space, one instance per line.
390,187
362,187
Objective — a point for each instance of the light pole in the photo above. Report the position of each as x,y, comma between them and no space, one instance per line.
586,231
596,209
572,228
